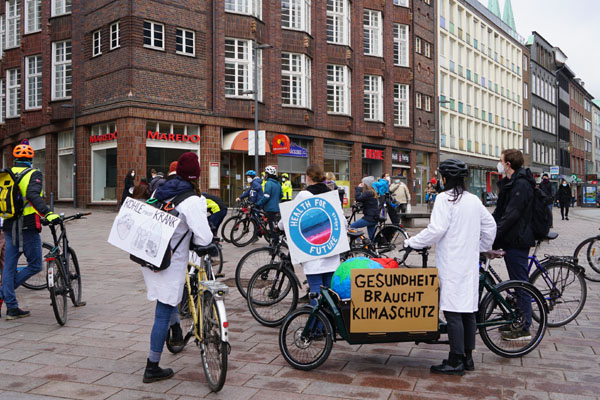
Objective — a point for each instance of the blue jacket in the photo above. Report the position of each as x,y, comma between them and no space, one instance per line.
370,204
172,188
255,192
272,197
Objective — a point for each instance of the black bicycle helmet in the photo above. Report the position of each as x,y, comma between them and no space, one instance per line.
454,168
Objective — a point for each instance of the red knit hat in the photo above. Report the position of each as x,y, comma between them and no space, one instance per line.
173,167
188,166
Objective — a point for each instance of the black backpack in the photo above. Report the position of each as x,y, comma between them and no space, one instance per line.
541,216
167,206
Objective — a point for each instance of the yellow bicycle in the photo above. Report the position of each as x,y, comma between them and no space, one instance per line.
202,316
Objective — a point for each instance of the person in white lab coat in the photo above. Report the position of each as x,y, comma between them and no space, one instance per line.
461,227
166,286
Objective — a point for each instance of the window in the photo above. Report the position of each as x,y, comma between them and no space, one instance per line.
525,90
401,105
418,45
33,82
185,42
338,89
13,24
295,80
403,3
295,14
401,45
2,36
2,101
60,7
61,70
428,50
373,33
97,43
33,16
338,22
153,35
373,101
249,7
13,91
65,165
115,36
428,103
525,117
419,101
525,62
238,68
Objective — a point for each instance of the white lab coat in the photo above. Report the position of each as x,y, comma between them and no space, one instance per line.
166,286
460,231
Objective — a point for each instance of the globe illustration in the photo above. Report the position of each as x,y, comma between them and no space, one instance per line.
315,226
340,282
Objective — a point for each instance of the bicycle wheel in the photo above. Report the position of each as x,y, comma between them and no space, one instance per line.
306,351
251,262
269,298
244,231
213,348
38,281
359,252
388,241
75,278
494,316
186,319
563,287
226,228
593,255
216,260
57,285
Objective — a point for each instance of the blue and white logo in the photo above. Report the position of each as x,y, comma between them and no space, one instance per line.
314,226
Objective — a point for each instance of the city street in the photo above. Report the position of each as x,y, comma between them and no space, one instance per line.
101,352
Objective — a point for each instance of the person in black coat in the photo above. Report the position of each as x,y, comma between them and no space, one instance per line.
548,188
366,195
564,198
129,185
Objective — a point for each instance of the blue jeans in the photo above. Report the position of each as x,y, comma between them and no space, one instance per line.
11,280
371,226
315,281
164,316
518,269
214,220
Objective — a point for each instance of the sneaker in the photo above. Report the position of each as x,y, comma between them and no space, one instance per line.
14,313
517,335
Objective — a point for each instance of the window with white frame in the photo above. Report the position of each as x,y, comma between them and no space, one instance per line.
338,89
295,80
33,82
185,42
525,91
154,35
373,100
2,36
401,45
61,70
295,14
13,24
115,36
2,101
60,7
428,103
338,22
239,71
248,7
33,16
525,117
97,43
65,165
428,50
373,33
401,105
403,3
13,93
419,101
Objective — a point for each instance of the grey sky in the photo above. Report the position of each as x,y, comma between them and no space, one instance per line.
574,26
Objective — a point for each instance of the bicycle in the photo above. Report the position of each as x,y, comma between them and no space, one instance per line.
250,227
62,266
203,317
242,209
591,255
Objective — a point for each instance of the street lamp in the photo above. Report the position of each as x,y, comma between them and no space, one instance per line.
74,183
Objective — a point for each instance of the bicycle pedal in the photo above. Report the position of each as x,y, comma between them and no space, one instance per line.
221,275
80,304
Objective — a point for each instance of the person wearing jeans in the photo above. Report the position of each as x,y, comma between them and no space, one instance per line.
366,195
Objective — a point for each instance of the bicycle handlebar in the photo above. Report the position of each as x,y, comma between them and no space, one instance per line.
64,219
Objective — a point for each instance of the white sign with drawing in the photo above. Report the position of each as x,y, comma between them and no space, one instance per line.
143,230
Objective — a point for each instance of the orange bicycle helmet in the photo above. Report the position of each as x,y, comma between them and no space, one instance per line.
23,150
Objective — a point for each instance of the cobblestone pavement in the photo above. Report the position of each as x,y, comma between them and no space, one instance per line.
102,350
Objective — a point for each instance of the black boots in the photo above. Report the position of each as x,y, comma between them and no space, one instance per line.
453,366
154,373
468,361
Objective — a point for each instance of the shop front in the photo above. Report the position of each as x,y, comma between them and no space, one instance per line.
336,159
103,151
295,163
422,176
401,163
166,142
372,163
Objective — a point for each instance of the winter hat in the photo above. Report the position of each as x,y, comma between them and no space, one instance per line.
173,167
188,167
368,181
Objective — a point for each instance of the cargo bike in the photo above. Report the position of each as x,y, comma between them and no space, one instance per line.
306,337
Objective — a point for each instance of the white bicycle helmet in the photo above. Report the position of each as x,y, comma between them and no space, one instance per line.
271,170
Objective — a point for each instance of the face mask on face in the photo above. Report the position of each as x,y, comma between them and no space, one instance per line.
282,179
388,179
397,181
249,180
564,184
133,174
500,167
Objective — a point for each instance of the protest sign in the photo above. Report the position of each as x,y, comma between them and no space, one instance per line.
315,226
394,300
143,230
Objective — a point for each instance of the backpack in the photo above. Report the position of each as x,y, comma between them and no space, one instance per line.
541,216
167,206
11,199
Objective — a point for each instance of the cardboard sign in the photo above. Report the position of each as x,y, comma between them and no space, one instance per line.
315,227
143,230
394,300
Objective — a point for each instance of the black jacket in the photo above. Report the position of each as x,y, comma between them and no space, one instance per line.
318,188
513,211
548,188
370,204
564,194
34,190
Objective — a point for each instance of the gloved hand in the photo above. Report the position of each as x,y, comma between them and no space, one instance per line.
50,217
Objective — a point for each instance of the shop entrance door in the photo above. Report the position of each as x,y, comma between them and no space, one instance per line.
421,183
233,179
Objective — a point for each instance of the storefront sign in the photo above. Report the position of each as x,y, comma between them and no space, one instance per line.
103,138
296,151
394,300
373,154
173,137
281,144
400,157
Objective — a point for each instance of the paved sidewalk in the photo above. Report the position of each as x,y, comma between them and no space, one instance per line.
102,350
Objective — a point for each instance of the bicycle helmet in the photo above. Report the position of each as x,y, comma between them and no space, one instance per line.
271,170
23,150
454,168
250,172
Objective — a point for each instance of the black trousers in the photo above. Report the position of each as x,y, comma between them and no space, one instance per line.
461,331
393,214
273,218
564,209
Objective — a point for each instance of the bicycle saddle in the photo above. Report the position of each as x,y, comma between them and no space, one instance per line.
354,234
204,250
493,254
551,235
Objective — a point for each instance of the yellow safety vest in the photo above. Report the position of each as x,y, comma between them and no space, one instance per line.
286,188
212,206
264,182
23,185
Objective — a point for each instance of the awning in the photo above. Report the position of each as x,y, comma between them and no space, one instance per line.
238,141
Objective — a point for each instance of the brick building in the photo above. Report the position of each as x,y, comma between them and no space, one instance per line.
351,83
